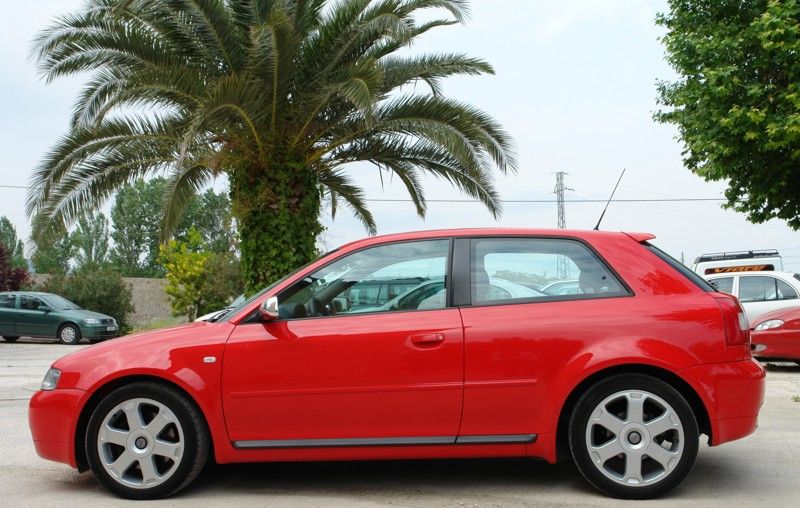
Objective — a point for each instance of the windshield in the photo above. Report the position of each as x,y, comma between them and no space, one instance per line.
60,303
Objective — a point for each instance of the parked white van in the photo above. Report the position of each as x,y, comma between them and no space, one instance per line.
743,261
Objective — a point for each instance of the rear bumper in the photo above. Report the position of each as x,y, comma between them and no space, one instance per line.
733,393
52,417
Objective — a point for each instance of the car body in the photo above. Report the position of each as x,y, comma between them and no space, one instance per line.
777,335
760,292
37,314
648,352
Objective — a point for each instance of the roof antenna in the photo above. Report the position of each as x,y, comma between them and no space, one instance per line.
597,227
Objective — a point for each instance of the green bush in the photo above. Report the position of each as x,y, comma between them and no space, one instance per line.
98,288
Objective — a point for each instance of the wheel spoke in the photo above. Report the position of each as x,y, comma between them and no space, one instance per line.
667,421
123,462
149,473
608,421
662,455
158,423
115,436
166,449
600,454
635,407
633,468
133,415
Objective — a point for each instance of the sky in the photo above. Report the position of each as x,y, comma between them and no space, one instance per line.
575,86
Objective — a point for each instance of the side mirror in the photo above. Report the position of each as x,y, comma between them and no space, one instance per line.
43,308
269,309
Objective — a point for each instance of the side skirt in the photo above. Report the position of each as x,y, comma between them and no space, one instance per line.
389,441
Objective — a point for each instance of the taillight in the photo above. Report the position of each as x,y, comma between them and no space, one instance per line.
737,328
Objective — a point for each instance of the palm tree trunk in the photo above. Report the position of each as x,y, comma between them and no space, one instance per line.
278,218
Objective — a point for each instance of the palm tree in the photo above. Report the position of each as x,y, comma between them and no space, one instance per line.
283,96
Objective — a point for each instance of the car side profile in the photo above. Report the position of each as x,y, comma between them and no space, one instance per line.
37,314
760,292
622,378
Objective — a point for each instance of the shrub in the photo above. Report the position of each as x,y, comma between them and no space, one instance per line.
11,278
98,288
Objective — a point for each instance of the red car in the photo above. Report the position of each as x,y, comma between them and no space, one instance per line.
622,377
777,334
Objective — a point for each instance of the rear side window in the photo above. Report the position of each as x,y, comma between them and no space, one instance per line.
509,269
7,301
723,284
764,289
680,267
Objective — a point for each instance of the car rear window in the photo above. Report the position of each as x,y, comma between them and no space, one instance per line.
680,267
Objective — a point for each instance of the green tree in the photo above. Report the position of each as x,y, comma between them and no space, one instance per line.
185,263
282,96
210,213
737,101
15,249
90,240
52,248
223,282
136,217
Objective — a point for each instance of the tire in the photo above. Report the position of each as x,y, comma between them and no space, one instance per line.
662,443
69,334
10,339
169,455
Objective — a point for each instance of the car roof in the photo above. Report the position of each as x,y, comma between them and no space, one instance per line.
461,232
789,275
34,293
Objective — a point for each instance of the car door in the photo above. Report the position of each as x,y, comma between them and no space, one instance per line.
8,315
36,318
515,346
760,294
325,374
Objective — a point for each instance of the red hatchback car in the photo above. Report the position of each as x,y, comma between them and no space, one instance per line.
464,357
777,334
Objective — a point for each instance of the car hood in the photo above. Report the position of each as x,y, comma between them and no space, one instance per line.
786,314
78,314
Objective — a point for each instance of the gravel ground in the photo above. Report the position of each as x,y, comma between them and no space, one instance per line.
760,469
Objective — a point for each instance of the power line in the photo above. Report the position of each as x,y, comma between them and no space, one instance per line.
653,200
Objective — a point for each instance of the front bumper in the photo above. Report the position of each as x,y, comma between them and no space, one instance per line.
52,417
779,344
99,332
733,393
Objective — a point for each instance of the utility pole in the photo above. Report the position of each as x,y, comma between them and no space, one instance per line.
562,265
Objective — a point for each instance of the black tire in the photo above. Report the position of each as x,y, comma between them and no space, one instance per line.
596,397
196,441
65,337
10,339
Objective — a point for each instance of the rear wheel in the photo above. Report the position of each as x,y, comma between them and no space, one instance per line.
146,441
10,339
69,334
633,436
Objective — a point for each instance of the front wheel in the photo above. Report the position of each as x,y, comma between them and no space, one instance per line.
10,339
633,436
146,441
69,334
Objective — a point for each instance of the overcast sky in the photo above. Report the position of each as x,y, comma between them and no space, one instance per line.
575,86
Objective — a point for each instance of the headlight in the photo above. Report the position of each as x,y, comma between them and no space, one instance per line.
768,325
91,321
51,379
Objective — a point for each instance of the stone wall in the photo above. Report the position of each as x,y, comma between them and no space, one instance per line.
149,298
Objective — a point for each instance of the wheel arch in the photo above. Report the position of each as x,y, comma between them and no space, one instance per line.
684,388
65,323
100,393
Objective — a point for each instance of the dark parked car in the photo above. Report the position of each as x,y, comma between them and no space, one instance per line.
29,314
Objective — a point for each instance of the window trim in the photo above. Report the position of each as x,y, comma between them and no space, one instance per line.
629,293
300,275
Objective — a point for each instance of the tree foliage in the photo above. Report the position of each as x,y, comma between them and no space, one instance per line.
282,96
90,240
12,278
737,101
95,287
186,264
52,248
14,246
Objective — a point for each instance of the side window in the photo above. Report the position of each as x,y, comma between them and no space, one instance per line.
7,301
761,289
400,276
29,302
723,284
507,269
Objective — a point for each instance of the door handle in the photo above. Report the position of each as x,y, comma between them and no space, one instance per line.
427,339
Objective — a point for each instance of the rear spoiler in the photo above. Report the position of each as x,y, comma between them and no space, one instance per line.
640,237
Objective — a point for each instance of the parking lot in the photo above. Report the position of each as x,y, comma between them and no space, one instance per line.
762,468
